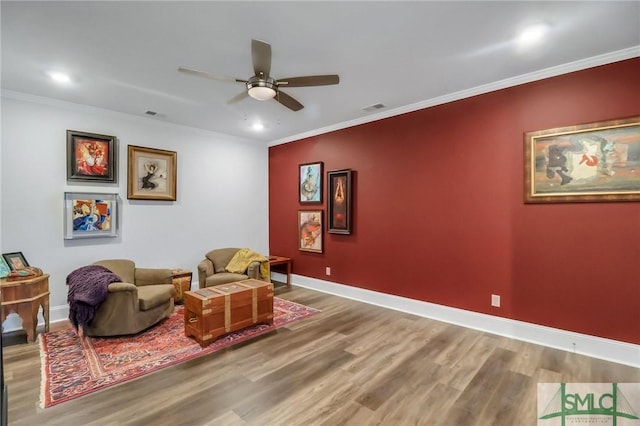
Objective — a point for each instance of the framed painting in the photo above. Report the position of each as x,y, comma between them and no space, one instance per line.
91,157
151,174
15,260
90,215
310,179
595,162
339,201
310,230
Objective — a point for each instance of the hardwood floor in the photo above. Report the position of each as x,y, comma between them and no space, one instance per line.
352,364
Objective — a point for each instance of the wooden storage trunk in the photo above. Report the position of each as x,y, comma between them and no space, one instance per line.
213,311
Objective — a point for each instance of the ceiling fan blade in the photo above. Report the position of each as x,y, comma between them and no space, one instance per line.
237,98
261,56
288,101
210,75
312,80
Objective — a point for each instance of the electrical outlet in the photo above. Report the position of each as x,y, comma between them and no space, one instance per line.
327,270
495,300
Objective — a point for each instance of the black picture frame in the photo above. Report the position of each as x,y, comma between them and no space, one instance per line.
339,201
91,157
15,260
310,182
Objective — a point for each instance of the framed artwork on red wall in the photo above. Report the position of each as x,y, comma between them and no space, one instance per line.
339,201
310,179
310,230
595,162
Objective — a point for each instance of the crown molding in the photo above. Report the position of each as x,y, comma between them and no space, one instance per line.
582,64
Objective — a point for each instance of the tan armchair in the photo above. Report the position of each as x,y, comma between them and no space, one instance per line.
212,270
143,298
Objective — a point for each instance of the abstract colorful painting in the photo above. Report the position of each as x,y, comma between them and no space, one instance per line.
90,215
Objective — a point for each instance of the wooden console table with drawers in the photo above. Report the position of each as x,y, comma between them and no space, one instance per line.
25,297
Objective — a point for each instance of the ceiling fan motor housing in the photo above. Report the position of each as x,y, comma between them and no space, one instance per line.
262,88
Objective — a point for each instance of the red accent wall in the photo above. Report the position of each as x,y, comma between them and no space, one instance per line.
438,211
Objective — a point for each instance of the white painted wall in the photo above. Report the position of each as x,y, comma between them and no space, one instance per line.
222,192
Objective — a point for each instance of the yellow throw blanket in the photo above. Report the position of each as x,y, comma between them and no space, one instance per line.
240,262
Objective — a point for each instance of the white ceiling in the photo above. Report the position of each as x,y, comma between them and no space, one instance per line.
124,56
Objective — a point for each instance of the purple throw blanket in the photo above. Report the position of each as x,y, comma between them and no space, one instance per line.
88,288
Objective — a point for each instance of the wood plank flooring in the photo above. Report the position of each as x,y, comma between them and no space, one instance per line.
352,364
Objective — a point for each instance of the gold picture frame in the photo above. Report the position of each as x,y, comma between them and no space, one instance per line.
152,174
594,162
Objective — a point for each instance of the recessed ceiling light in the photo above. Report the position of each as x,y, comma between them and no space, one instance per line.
532,35
59,77
257,126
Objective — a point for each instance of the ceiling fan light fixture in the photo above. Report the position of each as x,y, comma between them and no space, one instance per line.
261,90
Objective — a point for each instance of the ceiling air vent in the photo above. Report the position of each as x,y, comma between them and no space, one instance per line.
373,107
151,113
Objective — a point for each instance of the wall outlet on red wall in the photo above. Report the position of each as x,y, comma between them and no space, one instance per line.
495,300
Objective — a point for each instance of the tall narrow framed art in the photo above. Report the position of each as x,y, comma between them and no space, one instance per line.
310,230
339,201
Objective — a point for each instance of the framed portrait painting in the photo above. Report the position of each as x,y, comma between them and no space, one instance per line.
310,230
151,174
90,215
339,201
15,260
310,180
595,162
91,157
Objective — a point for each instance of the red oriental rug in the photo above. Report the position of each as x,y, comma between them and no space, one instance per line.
74,367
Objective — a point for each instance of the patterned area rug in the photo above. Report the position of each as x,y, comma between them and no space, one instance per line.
74,367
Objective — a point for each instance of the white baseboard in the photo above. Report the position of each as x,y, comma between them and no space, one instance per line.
583,344
596,347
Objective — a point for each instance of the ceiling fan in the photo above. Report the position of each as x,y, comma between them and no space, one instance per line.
262,86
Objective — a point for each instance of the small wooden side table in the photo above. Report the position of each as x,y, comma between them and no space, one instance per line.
182,283
25,297
281,260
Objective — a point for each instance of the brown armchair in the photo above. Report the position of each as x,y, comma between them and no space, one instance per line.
143,298
212,270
